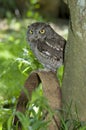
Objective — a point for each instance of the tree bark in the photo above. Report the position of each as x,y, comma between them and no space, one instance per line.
74,81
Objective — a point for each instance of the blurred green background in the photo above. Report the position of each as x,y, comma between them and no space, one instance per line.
16,58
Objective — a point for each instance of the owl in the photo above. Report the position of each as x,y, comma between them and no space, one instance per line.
46,44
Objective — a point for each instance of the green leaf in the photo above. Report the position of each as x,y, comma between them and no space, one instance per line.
60,74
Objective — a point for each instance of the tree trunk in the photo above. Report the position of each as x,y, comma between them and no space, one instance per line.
74,81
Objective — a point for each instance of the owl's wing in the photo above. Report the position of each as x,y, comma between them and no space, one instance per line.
57,43
53,51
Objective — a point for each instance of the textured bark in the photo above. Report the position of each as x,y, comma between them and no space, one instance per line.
74,81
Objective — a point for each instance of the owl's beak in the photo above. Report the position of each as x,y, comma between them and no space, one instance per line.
36,37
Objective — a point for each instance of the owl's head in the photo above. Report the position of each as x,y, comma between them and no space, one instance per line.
39,31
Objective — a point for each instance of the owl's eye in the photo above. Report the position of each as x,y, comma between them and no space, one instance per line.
31,32
42,31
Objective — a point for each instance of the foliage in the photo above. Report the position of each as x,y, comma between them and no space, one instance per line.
19,8
60,74
16,62
33,117
6,7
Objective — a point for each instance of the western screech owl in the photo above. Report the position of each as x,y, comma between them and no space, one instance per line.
46,44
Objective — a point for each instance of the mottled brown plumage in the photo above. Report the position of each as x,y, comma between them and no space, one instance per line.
46,44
